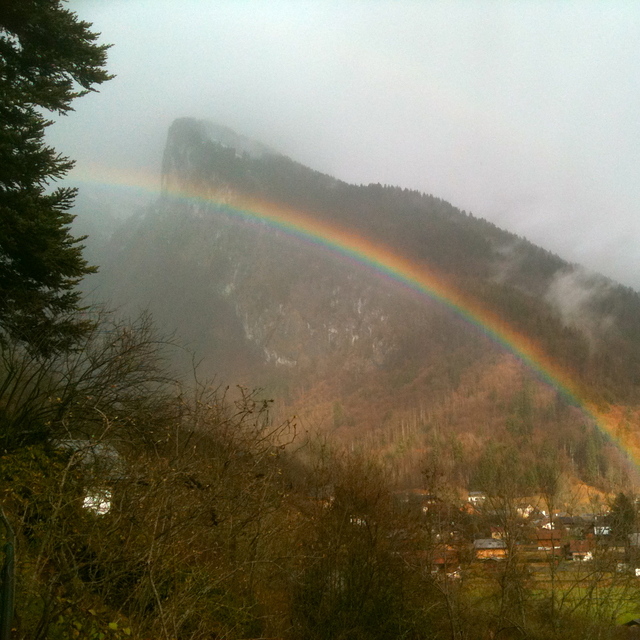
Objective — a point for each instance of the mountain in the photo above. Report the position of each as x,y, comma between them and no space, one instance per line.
350,351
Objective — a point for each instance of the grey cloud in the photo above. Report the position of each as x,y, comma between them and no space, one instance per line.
523,113
574,293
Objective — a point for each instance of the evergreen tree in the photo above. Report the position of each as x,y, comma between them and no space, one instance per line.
623,517
47,59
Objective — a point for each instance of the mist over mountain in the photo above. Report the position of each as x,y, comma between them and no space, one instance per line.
346,349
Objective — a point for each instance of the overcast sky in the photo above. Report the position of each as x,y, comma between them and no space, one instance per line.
524,113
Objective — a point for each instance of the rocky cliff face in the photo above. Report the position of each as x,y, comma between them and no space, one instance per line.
189,142
295,304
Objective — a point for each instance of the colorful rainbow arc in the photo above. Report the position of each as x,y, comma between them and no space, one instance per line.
416,277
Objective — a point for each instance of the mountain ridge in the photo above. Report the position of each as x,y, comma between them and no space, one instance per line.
351,353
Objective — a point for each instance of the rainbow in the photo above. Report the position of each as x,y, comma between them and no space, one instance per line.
412,275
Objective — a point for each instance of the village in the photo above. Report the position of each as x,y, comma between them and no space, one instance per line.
476,534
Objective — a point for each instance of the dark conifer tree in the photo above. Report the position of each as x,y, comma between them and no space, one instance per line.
47,59
623,517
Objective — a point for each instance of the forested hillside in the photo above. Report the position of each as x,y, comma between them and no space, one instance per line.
582,319
353,354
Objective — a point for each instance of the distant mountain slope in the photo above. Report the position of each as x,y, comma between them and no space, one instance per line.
588,322
352,352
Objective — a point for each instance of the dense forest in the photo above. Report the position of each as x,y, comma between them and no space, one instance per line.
509,274
430,487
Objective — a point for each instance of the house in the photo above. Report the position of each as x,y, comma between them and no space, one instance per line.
602,529
630,629
525,510
575,525
551,523
98,501
601,525
625,567
101,461
632,623
579,550
490,549
548,540
497,533
444,559
476,497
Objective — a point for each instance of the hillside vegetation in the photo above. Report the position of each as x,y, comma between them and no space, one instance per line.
353,354
332,503
143,508
429,487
